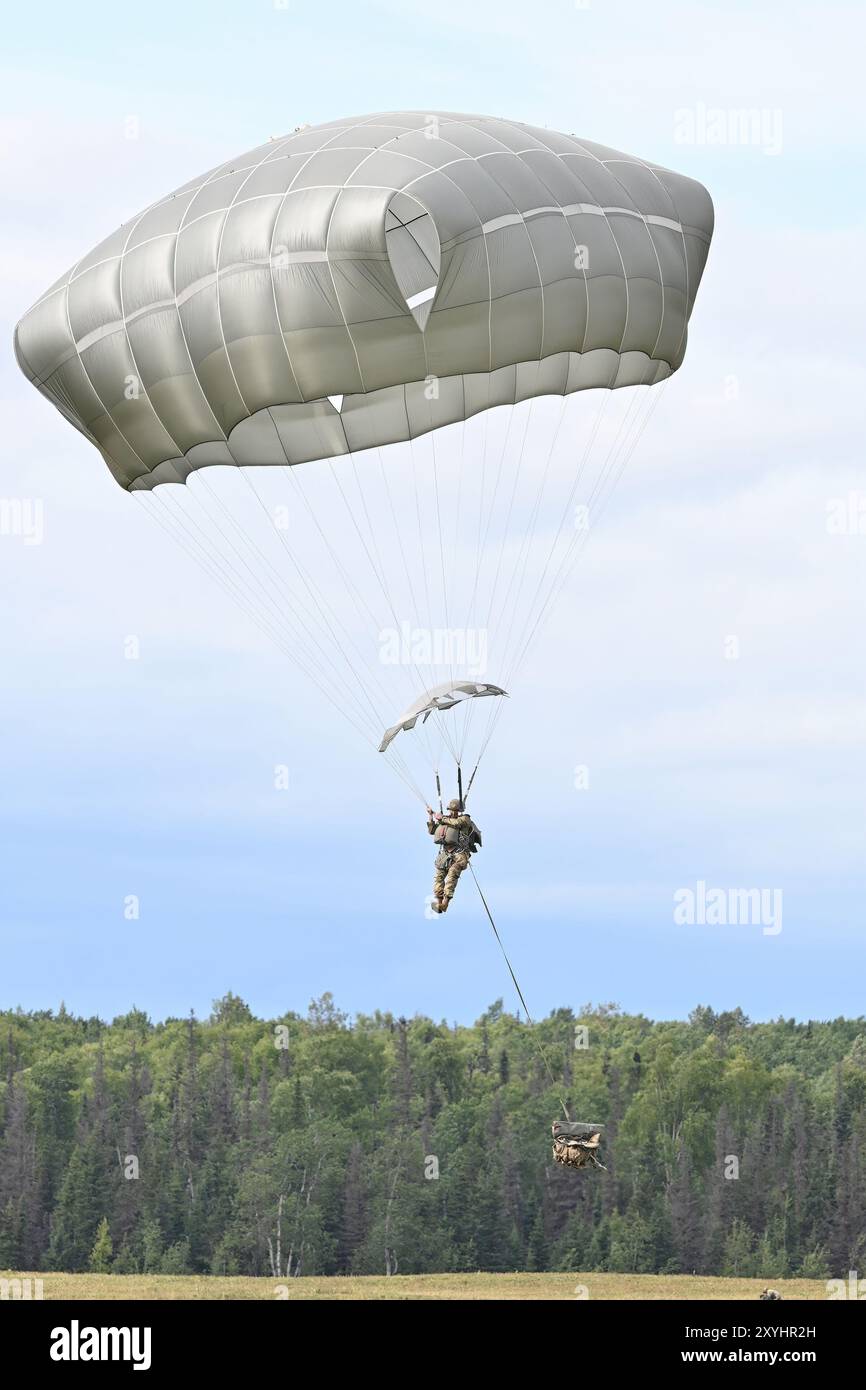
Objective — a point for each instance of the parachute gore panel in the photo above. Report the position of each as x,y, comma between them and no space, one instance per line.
363,282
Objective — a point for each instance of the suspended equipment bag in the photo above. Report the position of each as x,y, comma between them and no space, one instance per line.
575,1144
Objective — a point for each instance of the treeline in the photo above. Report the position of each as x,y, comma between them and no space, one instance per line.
321,1145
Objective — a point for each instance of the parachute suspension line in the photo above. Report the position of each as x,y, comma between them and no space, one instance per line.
584,458
577,538
575,544
324,609
482,545
414,470
615,473
506,534
385,593
507,528
359,602
383,581
213,572
433,675
281,616
538,1045
398,537
356,597
435,474
174,527
233,583
372,534
224,566
470,615
398,765
467,727
354,520
475,597
290,640
441,550
317,600
445,739
395,759
526,545
522,561
653,403
567,508
413,601
466,716
469,786
455,560
579,541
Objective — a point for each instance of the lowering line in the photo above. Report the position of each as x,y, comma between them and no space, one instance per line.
538,1046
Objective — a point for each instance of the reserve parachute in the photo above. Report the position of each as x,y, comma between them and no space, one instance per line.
364,375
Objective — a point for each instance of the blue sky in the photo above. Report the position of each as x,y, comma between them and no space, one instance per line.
155,777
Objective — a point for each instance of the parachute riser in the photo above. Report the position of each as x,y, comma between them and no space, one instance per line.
469,786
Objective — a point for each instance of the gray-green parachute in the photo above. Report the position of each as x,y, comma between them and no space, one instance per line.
342,293
242,304
442,697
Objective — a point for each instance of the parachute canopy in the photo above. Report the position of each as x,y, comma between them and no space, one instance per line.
363,282
429,312
444,696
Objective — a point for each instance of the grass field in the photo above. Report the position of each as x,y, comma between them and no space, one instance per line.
528,1287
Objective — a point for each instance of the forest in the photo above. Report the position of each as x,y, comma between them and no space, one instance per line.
328,1145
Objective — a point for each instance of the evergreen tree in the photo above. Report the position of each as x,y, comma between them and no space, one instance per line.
100,1255
80,1207
352,1231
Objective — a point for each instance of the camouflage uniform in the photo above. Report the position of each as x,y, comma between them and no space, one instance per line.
452,859
450,864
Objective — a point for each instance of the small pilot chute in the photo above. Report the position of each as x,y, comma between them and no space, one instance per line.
439,697
576,1144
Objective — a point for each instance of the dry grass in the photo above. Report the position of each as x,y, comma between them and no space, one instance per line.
526,1287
